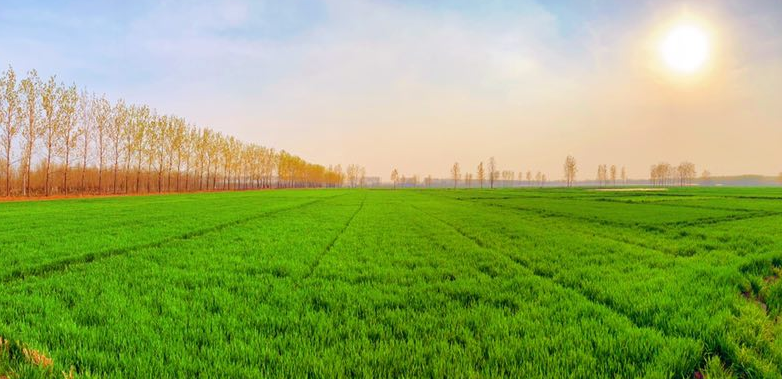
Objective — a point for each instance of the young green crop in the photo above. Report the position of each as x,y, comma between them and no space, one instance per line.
435,283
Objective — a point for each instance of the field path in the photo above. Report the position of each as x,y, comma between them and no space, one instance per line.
314,265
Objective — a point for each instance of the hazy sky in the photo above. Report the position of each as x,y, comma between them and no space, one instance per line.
418,85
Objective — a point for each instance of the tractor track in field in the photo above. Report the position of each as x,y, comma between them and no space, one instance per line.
64,264
590,221
749,215
608,305
673,204
328,247
645,229
742,215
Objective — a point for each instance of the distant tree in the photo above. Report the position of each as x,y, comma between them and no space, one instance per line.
30,88
179,145
779,178
49,95
352,175
394,177
139,130
85,135
188,153
492,171
705,176
539,178
602,174
666,173
428,181
102,118
69,100
481,174
570,169
507,177
543,180
613,175
339,177
686,173
662,174
9,119
468,179
624,175
529,178
115,132
455,174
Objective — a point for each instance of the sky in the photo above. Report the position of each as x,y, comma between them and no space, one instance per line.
419,85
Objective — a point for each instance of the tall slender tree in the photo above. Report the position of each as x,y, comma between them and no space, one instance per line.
456,174
492,171
9,119
69,101
50,92
481,174
85,133
31,126
394,177
116,132
613,175
570,170
624,175
102,114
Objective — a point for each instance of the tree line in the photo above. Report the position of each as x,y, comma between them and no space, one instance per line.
57,139
662,174
486,175
608,175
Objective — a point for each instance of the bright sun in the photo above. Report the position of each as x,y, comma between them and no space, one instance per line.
685,48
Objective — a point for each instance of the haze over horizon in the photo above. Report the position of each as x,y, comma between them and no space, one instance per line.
419,85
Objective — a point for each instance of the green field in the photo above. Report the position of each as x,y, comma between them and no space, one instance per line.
407,283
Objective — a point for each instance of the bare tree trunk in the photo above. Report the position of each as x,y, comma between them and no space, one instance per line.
178,170
149,177
100,175
67,166
8,168
127,174
138,176
27,162
116,168
208,169
83,173
48,166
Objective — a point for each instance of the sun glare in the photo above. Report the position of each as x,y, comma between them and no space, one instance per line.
685,48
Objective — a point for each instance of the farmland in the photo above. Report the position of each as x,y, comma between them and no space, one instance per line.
406,283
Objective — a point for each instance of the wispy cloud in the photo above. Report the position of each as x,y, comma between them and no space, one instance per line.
415,84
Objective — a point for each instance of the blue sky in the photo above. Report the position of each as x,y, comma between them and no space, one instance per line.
419,84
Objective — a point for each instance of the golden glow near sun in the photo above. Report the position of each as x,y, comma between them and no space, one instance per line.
685,48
